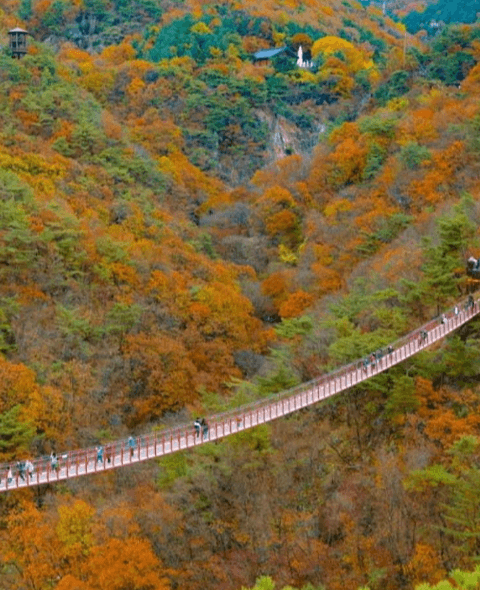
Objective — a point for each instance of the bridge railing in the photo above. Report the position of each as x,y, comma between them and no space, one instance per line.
160,442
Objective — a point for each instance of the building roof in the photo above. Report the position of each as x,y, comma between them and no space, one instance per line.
268,53
17,30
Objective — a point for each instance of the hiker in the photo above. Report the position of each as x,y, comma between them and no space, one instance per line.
99,454
131,445
29,468
197,425
21,469
54,460
204,428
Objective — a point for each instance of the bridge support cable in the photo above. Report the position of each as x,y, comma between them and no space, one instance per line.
121,453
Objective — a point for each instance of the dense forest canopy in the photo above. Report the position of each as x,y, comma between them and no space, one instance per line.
183,229
441,13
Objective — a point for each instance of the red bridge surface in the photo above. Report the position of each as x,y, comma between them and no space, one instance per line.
156,444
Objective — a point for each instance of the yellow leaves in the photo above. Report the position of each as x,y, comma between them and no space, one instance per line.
328,10
398,104
275,197
286,255
215,52
185,64
189,176
118,54
75,529
98,82
356,57
135,87
338,206
200,28
31,165
72,53
323,253
302,75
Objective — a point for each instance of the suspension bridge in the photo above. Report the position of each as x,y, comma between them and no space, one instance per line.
120,453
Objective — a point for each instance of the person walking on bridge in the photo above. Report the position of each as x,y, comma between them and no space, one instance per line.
99,454
204,425
197,425
131,445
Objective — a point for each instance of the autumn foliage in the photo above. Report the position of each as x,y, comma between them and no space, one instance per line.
184,230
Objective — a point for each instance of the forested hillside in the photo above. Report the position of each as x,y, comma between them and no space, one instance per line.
185,228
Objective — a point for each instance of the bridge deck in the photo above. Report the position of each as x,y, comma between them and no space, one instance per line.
156,444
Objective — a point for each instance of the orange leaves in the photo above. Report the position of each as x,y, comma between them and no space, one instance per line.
276,207
158,135
347,161
40,405
441,424
419,126
69,551
69,582
328,279
275,285
425,565
162,374
32,548
296,304
446,427
122,564
168,289
436,184
29,120
231,313
283,222
111,127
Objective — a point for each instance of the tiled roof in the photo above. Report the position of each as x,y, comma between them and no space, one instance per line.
267,53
